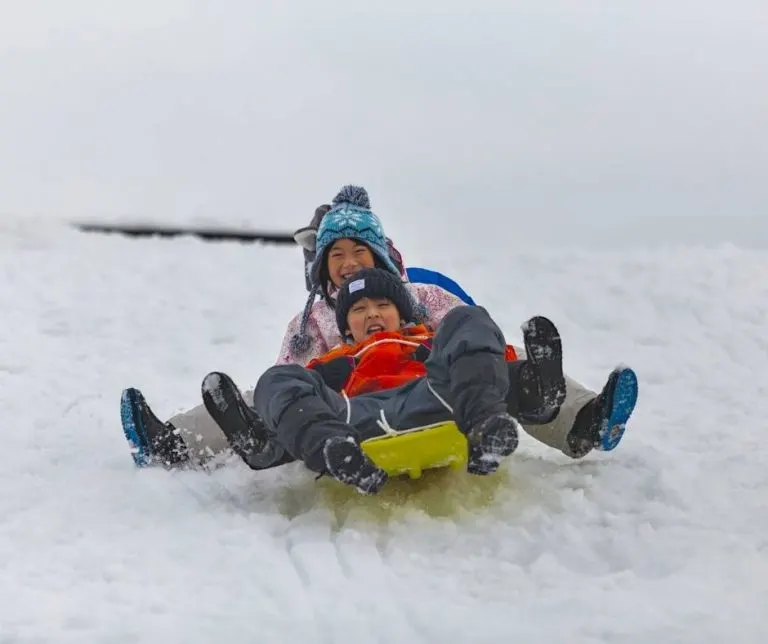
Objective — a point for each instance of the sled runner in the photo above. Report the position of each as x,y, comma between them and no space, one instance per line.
414,450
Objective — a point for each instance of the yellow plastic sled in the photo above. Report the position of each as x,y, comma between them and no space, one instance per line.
412,451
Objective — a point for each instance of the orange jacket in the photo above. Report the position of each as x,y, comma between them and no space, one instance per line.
386,359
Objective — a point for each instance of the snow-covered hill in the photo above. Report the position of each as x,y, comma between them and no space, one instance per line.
600,163
663,539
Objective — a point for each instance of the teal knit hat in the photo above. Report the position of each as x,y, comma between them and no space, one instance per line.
351,217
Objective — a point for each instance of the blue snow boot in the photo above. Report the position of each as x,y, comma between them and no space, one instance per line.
601,423
151,440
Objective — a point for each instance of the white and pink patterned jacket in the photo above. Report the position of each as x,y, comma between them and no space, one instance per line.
321,325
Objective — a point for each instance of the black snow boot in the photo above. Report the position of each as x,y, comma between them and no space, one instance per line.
245,431
490,441
346,462
541,384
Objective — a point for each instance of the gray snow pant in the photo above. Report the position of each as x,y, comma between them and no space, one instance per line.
205,439
466,371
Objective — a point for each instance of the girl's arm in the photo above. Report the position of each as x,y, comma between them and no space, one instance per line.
318,345
437,300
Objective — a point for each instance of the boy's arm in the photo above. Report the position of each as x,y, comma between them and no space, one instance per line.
335,372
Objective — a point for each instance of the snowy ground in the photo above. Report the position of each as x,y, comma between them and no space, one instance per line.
664,540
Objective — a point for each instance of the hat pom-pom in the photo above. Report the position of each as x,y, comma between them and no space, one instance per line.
300,344
354,195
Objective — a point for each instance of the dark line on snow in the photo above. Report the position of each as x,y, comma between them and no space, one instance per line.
210,234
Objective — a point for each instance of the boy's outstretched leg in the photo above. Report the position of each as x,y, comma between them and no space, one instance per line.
151,440
309,420
467,371
601,423
246,433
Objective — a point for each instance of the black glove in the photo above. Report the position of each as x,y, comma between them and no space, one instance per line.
336,372
306,237
423,351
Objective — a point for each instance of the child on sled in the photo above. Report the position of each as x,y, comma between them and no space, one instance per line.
392,373
349,237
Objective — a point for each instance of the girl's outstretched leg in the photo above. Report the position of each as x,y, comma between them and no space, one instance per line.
601,423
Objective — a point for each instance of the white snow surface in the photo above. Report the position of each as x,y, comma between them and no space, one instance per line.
665,539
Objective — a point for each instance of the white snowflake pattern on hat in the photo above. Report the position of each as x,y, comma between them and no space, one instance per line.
348,218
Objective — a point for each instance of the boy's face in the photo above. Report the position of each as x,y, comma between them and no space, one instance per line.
370,315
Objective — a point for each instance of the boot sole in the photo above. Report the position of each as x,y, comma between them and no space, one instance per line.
347,452
623,400
498,441
133,428
544,349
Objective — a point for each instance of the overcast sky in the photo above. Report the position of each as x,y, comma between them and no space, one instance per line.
451,113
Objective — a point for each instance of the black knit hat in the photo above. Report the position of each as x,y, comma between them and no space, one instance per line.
373,282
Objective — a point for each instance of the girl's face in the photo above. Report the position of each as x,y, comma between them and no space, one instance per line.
370,315
345,258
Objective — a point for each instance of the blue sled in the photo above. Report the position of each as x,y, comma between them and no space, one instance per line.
426,276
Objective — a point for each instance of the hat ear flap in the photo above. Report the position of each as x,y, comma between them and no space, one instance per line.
309,257
395,257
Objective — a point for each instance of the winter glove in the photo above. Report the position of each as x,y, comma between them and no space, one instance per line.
306,237
336,372
423,351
